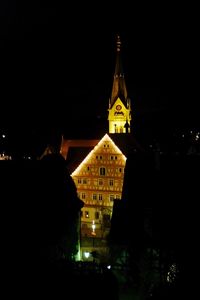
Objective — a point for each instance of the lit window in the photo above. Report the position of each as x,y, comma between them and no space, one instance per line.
111,182
102,171
94,196
100,197
87,214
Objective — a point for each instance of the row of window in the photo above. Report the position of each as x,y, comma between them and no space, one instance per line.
102,170
111,157
100,181
99,197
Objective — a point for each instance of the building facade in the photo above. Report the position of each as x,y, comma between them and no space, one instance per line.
99,182
99,175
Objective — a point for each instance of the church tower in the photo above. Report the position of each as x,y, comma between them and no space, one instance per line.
119,111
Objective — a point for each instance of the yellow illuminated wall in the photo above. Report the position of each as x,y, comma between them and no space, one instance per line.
118,116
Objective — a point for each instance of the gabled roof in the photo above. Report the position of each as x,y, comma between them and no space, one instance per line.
77,150
98,148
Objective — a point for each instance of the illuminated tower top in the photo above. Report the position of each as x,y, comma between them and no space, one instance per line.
119,84
119,104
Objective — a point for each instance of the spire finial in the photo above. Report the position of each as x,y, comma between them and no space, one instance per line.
118,43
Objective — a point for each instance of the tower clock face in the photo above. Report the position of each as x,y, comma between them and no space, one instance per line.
118,107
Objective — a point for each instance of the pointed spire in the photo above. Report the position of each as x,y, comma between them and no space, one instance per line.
119,85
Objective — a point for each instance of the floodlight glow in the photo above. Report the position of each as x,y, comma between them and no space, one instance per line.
87,254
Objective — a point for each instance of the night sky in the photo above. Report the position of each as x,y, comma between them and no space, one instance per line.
56,58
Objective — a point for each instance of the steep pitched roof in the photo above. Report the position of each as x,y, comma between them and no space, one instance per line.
100,147
75,151
119,84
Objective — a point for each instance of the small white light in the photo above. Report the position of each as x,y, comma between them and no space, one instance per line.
3,136
87,254
93,226
109,267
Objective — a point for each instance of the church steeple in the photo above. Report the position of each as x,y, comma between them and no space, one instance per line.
119,84
119,104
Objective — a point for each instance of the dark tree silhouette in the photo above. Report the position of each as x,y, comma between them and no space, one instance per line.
156,224
39,214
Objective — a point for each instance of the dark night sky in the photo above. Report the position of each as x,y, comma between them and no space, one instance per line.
55,58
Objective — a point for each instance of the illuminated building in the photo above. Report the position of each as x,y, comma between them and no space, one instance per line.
99,181
97,167
5,157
